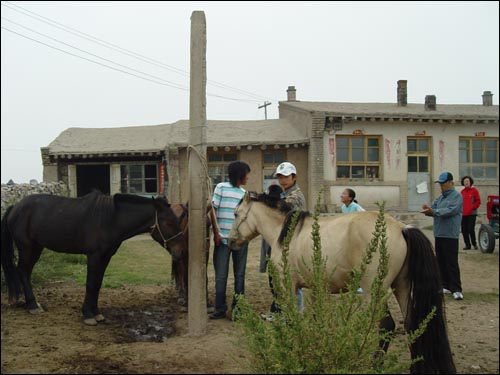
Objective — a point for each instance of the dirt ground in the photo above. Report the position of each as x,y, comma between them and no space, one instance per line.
145,331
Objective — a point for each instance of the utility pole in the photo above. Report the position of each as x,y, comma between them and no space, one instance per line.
197,298
266,103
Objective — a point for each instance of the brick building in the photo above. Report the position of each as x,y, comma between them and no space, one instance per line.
384,151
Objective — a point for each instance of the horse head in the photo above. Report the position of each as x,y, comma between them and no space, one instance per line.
245,224
166,230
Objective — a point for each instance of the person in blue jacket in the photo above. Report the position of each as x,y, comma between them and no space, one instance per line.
447,213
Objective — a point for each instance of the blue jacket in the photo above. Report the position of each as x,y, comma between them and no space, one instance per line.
447,213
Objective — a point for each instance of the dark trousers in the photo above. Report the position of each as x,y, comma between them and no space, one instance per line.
221,256
468,227
447,257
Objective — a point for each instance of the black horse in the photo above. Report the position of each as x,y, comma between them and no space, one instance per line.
94,225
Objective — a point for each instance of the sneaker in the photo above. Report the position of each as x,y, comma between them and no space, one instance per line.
458,296
446,291
269,317
466,248
218,315
360,291
475,247
210,308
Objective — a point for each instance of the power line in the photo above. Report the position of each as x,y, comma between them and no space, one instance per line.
168,83
123,50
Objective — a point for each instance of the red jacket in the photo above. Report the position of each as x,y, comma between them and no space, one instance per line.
472,201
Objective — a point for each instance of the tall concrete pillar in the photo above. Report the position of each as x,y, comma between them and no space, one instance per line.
197,316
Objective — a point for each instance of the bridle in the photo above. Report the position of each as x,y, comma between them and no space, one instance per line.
157,226
244,217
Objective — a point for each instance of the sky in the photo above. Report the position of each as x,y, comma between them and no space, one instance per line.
114,64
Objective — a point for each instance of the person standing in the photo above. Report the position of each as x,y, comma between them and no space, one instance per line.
287,178
227,195
349,203
472,201
447,213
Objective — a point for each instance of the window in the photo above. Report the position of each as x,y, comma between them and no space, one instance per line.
358,156
217,165
478,157
139,179
418,154
270,161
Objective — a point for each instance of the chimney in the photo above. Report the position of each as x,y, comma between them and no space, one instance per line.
487,98
402,93
291,94
430,102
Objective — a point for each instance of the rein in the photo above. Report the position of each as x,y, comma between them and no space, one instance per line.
157,226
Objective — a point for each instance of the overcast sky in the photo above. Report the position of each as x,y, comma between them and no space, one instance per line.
330,51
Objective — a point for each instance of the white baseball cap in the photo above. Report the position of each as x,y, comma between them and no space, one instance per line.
286,169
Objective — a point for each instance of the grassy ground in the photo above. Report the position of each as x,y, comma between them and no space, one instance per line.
133,264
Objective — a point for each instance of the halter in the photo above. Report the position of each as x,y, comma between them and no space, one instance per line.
161,234
244,217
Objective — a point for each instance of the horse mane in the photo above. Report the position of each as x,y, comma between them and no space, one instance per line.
100,206
284,207
130,198
103,207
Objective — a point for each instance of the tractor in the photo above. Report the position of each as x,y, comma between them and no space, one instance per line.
488,233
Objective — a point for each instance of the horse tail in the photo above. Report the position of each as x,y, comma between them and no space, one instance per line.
424,294
7,255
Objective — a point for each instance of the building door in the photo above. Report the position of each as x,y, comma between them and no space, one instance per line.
419,183
94,176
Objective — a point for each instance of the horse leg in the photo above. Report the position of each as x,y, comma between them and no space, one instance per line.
96,266
386,325
181,274
28,256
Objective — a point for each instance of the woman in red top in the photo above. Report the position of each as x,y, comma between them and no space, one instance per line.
472,201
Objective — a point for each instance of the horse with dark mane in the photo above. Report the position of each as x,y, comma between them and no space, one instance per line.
94,225
413,274
180,265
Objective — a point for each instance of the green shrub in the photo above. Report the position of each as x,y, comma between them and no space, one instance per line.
335,334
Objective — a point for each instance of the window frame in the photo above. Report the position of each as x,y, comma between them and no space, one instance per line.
217,178
127,179
467,168
364,163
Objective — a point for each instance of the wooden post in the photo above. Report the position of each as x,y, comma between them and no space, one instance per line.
197,299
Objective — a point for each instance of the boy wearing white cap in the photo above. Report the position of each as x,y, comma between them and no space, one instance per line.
287,177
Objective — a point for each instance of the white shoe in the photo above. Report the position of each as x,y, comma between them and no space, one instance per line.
446,291
458,296
269,317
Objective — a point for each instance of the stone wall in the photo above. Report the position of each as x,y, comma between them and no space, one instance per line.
12,194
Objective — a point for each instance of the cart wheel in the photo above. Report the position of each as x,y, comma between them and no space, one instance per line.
486,239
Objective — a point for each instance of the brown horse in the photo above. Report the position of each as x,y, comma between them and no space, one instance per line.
413,273
94,225
180,265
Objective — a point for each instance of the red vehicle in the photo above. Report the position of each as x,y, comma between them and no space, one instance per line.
488,233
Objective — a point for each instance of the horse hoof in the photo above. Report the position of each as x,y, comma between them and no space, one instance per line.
90,321
99,318
36,310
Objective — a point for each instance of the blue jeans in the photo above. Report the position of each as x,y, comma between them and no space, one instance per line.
222,253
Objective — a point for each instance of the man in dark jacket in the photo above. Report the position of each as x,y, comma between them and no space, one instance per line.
447,213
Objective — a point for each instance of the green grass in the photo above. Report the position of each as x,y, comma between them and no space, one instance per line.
136,262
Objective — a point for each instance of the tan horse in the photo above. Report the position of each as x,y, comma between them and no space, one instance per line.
413,272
